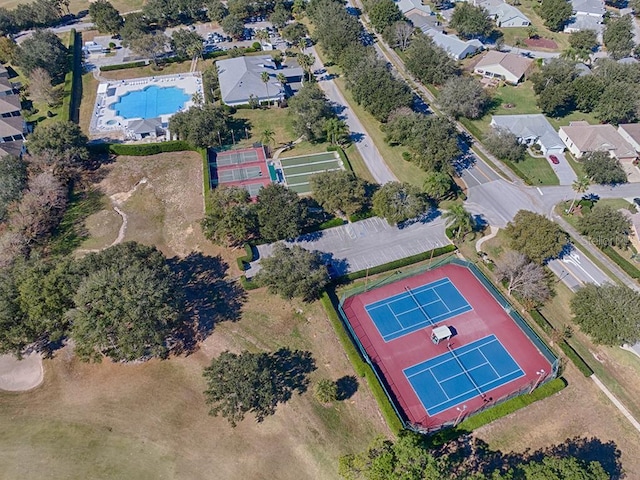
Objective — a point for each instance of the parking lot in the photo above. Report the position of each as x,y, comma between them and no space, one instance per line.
360,245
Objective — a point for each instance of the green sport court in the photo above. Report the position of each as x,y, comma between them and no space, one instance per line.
298,170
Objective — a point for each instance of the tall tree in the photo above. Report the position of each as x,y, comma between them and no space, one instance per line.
428,62
584,43
149,45
579,185
13,179
294,32
293,272
459,220
127,306
231,217
555,13
397,202
280,16
106,18
471,21
201,126
618,36
61,145
602,168
44,50
523,277
232,25
264,76
536,236
41,88
382,13
505,145
216,10
463,97
186,44
281,215
606,226
610,314
337,131
618,103
339,191
255,383
310,110
437,185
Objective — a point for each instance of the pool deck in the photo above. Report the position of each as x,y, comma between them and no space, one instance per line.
106,121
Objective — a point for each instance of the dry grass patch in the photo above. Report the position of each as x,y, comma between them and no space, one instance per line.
149,420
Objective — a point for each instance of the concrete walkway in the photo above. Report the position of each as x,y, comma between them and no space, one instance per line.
616,402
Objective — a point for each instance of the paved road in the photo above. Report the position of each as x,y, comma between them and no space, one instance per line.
576,270
362,140
368,243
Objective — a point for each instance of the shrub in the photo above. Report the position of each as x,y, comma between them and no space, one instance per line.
577,360
123,66
343,157
326,391
137,150
245,260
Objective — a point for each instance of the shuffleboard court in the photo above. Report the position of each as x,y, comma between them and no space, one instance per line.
417,308
461,374
298,170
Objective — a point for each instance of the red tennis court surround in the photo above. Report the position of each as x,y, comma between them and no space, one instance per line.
485,318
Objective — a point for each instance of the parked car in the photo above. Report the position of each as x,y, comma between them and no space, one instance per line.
554,159
637,201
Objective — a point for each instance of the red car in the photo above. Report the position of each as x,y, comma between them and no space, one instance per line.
554,159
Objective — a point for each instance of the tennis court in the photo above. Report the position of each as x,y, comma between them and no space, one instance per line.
239,174
298,170
461,374
417,308
224,159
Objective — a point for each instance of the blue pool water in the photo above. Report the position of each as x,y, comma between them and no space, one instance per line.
150,102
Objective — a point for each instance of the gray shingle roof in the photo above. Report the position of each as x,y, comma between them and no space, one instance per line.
530,126
241,77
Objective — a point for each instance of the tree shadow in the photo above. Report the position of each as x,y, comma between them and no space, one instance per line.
336,267
347,387
290,371
209,298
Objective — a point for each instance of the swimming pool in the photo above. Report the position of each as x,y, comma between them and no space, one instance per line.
150,102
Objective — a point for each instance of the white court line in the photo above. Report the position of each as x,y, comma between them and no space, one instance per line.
487,360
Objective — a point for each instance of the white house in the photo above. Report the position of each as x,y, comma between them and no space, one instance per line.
456,48
530,130
631,133
505,15
587,15
408,7
505,66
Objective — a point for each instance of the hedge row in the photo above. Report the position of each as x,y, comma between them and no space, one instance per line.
629,269
568,350
123,66
361,368
343,156
72,78
334,222
577,360
245,260
403,262
137,150
498,411
248,284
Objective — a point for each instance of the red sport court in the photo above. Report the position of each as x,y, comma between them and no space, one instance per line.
487,359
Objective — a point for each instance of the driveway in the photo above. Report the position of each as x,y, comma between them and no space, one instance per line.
367,243
563,170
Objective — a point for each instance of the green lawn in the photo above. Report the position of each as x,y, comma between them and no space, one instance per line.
529,8
537,171
123,6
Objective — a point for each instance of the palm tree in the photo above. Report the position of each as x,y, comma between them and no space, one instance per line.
282,80
265,79
459,220
262,35
579,185
302,44
198,99
336,130
306,62
267,136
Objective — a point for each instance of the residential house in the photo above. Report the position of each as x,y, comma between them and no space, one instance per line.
456,48
408,7
505,15
530,130
587,15
506,66
241,79
581,138
631,133
423,22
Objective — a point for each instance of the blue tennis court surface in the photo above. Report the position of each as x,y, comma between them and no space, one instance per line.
417,308
461,374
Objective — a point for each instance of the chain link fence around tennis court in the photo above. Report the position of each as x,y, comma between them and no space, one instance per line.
396,400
